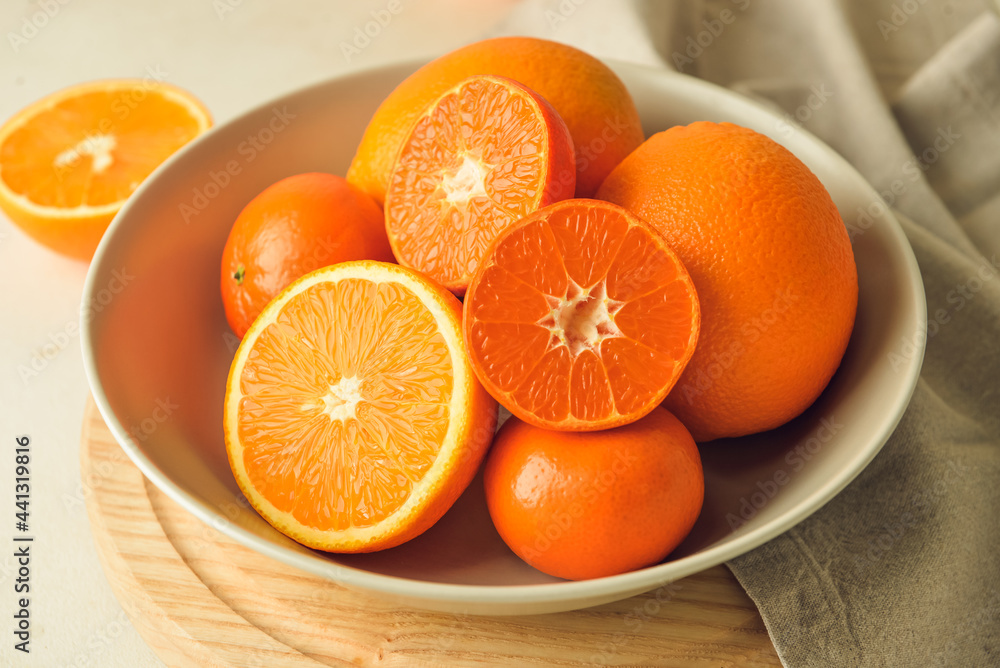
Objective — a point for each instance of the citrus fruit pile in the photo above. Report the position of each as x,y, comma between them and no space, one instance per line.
620,303
621,298
505,236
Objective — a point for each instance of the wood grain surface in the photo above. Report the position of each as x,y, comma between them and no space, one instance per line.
202,600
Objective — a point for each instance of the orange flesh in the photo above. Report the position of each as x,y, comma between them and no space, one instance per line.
93,149
371,376
471,167
581,316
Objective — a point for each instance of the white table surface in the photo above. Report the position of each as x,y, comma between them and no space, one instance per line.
232,54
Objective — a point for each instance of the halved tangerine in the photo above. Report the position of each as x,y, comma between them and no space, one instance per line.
353,419
580,317
487,153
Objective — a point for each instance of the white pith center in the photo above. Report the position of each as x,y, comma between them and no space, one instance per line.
98,147
342,400
466,183
582,319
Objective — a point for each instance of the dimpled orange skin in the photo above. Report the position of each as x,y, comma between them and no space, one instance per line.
772,262
590,98
299,224
582,505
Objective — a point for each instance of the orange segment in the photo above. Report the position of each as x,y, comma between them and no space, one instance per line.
580,317
503,295
586,253
511,350
594,400
544,390
515,255
69,161
353,419
484,155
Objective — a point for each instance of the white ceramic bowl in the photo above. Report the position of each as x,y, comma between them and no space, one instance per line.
157,350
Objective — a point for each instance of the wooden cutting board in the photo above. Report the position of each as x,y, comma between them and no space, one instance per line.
201,600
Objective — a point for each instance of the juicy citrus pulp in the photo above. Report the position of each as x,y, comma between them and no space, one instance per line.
580,317
590,98
485,154
352,418
70,160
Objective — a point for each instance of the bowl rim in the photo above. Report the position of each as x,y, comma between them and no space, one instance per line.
645,579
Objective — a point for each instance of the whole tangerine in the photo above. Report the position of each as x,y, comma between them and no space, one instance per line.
581,505
293,227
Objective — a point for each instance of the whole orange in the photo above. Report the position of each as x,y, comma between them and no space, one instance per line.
297,225
771,261
580,505
590,98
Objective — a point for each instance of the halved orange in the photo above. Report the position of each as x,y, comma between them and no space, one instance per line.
487,153
69,161
580,317
353,419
